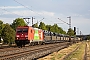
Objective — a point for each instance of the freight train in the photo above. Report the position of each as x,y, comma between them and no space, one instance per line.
29,35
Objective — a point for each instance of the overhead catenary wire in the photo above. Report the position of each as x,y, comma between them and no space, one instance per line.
30,9
10,12
23,5
63,21
26,7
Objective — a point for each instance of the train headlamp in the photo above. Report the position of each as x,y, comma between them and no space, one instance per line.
17,36
26,35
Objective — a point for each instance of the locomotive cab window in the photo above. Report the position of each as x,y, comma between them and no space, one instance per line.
19,30
25,30
22,30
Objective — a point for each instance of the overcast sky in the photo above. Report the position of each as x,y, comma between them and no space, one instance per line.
50,10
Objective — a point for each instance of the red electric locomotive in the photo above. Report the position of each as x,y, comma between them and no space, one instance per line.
28,34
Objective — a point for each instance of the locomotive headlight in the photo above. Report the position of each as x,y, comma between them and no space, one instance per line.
26,38
17,36
26,35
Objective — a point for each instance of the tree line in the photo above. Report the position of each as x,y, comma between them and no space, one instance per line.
7,31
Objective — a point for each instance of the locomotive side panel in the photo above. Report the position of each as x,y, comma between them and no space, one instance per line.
37,35
30,33
41,35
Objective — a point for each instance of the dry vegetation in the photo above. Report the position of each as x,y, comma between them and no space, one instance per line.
79,53
62,53
88,50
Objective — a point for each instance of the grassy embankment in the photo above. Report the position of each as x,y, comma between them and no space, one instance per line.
62,53
79,53
88,50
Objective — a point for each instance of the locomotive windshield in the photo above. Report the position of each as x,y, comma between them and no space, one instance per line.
20,30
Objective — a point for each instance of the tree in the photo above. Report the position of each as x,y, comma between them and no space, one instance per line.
18,22
48,27
54,28
1,26
70,32
42,26
88,37
64,32
35,25
61,30
8,34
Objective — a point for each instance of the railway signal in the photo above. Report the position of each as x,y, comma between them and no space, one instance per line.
74,30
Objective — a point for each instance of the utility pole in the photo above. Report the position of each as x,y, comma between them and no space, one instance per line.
68,24
77,30
80,35
69,21
32,20
26,20
80,32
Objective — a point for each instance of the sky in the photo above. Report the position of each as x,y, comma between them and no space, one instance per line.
48,11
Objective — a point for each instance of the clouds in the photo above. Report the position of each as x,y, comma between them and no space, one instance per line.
11,7
26,13
34,13
50,10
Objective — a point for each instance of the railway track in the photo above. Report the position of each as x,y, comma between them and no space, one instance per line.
35,52
11,50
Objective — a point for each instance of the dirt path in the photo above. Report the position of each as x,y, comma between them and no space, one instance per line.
88,51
